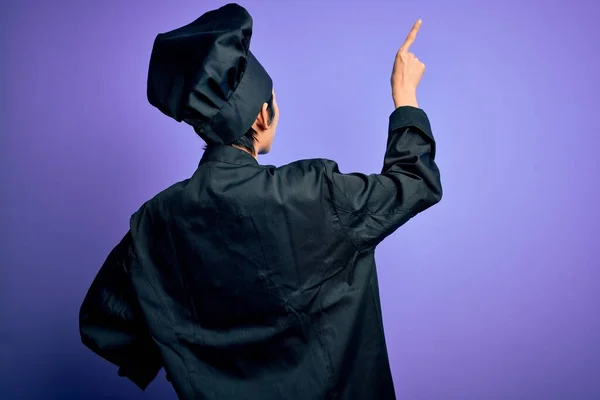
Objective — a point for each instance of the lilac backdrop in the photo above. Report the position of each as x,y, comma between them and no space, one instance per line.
492,294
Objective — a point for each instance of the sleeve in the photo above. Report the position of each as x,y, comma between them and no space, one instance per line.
371,207
111,323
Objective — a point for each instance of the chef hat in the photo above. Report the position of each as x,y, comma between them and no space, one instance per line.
205,75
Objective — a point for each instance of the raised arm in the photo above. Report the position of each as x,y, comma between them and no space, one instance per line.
371,207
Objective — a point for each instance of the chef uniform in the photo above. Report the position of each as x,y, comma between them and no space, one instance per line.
250,281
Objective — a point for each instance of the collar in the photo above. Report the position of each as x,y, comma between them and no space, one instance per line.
227,154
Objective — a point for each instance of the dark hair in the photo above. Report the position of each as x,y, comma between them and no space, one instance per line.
247,141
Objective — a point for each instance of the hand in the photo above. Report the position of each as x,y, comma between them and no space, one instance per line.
407,72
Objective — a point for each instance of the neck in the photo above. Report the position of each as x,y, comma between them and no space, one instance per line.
246,150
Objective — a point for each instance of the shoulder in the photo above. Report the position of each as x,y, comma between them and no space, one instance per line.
158,203
167,194
305,173
306,179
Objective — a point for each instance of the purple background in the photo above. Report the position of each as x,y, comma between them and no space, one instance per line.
492,294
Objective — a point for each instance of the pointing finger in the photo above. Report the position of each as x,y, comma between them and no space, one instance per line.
412,35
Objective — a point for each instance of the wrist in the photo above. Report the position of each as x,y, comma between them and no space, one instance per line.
405,97
402,101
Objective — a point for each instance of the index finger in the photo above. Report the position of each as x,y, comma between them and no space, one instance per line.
412,35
